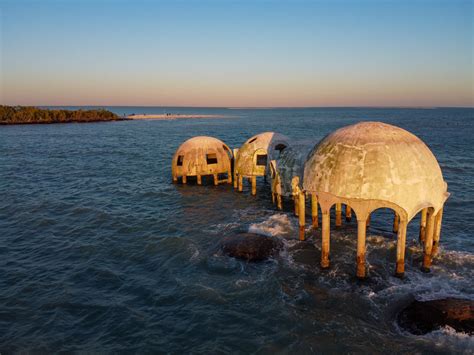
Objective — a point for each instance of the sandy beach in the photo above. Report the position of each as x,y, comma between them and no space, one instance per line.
170,116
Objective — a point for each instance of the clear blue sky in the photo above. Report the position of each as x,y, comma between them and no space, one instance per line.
237,53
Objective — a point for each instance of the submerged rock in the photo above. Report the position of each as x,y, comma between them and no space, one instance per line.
421,317
251,247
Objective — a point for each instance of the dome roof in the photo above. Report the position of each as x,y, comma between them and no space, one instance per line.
202,155
291,164
267,144
376,161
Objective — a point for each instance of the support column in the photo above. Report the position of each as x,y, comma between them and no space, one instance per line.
348,213
175,178
273,198
229,177
326,224
241,183
430,221
314,210
361,236
367,223
199,180
253,179
437,235
236,181
216,179
184,179
301,217
424,213
295,200
396,222
401,241
279,203
338,214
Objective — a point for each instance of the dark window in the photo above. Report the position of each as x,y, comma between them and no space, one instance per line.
180,160
280,147
253,140
261,159
211,158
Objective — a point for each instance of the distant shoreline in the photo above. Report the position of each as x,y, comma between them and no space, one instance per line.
170,116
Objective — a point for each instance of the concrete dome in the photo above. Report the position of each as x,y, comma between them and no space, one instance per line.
257,152
290,164
376,161
201,156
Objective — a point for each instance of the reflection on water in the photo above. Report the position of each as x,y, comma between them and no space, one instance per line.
98,250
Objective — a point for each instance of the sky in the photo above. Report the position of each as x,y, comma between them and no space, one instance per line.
243,53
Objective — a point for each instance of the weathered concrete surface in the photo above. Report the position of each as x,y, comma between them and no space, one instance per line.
251,247
377,161
267,143
423,317
195,160
290,164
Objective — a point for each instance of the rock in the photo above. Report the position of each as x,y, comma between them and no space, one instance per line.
251,247
421,317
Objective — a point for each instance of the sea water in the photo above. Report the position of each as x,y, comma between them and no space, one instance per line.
99,251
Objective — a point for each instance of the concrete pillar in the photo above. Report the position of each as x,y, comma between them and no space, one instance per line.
253,180
348,213
437,235
295,200
424,213
199,180
216,179
273,197
361,236
401,241
396,222
229,177
236,181
175,178
367,222
430,221
279,203
184,179
338,214
241,183
326,224
301,217
314,211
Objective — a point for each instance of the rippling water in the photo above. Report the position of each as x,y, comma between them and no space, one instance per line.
100,251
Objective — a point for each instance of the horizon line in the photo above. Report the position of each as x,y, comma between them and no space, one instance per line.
253,107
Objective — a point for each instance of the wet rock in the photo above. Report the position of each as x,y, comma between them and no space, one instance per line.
421,317
251,247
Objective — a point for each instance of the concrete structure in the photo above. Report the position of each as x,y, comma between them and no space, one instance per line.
253,157
286,173
202,156
373,165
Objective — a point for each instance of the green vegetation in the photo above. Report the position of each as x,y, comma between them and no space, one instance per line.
24,114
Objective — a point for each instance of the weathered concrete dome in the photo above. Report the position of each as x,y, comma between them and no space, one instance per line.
377,161
200,156
290,164
256,153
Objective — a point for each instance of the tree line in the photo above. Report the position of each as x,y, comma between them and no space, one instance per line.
29,114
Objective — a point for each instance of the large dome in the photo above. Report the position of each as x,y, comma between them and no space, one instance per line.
255,154
202,156
376,161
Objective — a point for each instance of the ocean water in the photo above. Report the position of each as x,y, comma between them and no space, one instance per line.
99,251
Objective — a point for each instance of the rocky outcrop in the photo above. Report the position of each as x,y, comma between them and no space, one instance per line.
421,317
250,247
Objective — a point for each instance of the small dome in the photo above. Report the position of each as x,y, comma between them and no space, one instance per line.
290,164
377,161
202,156
257,152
